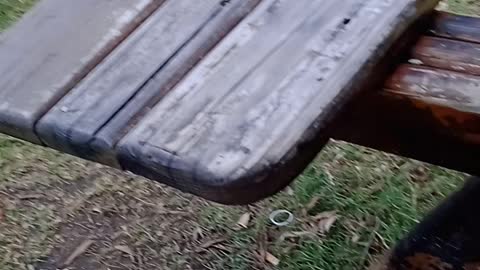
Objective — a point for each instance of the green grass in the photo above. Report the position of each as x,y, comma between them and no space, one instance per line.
471,7
11,10
380,191
378,197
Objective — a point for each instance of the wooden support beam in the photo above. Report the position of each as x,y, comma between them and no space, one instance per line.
456,27
429,111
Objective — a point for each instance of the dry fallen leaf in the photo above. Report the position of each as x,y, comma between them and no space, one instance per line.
289,191
2,213
289,235
324,215
419,174
311,204
27,197
443,6
325,225
172,212
78,251
197,234
326,221
210,243
355,238
126,250
382,262
271,259
244,220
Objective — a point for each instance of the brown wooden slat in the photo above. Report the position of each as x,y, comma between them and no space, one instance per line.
452,98
430,111
448,54
428,114
457,27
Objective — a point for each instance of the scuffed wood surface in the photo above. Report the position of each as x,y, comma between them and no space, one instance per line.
52,48
137,73
70,125
240,126
448,54
457,27
445,88
429,111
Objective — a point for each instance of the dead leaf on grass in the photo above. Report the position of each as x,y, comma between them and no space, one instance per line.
326,220
289,191
311,204
78,251
443,6
243,221
2,213
419,174
197,234
355,238
27,197
210,244
290,235
126,250
173,212
271,259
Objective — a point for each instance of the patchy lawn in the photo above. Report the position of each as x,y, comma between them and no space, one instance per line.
471,7
11,10
350,205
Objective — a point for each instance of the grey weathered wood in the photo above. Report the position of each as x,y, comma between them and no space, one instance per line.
238,126
104,141
71,124
52,48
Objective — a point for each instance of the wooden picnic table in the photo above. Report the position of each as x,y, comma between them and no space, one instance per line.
230,100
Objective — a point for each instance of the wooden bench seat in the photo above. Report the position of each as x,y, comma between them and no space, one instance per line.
48,52
91,118
249,117
230,100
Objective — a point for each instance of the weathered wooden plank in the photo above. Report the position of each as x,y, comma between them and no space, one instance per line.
448,54
454,90
52,48
72,123
427,112
103,144
424,113
241,124
457,27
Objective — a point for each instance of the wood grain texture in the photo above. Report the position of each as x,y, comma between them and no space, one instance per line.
450,89
179,64
240,126
71,124
431,115
448,54
52,48
429,111
457,27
